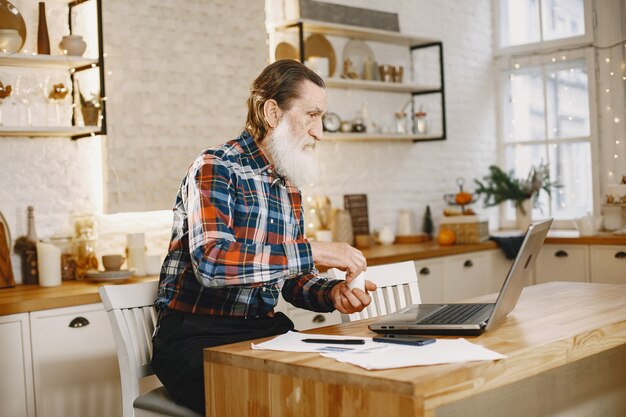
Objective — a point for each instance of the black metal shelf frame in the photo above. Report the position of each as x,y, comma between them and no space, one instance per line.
441,90
100,65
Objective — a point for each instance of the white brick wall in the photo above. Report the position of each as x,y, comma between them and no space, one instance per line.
178,83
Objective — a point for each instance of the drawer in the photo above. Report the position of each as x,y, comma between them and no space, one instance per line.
608,264
562,263
430,280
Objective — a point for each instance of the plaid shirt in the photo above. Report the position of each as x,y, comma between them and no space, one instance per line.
238,238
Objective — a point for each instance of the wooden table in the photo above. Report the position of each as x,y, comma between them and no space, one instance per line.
566,353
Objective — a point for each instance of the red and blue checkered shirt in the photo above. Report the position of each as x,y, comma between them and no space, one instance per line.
238,239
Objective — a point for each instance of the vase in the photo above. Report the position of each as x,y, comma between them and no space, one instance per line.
43,41
90,115
524,218
73,45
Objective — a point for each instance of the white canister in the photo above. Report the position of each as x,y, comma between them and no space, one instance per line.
405,223
613,217
49,264
136,256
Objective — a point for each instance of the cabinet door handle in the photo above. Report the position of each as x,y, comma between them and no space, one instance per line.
468,263
424,271
620,255
561,254
319,318
79,322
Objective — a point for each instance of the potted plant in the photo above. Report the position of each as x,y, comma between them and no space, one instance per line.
500,186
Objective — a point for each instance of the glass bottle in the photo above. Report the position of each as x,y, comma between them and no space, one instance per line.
26,247
43,41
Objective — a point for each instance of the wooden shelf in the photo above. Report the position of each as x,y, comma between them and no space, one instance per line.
350,31
379,137
381,86
45,61
48,131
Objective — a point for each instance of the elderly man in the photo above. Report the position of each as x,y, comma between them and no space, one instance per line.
238,236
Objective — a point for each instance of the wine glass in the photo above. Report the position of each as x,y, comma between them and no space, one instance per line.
26,92
58,92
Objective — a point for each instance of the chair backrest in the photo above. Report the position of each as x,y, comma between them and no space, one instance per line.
132,316
397,288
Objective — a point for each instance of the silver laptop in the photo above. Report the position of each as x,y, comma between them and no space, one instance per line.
474,318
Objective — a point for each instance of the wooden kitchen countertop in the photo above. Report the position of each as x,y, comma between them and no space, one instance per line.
25,298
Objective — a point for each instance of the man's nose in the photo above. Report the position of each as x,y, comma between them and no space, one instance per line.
317,130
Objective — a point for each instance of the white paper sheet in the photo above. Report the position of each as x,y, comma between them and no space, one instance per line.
375,355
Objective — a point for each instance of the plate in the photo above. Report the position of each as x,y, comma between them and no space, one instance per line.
318,45
11,18
358,52
285,50
103,276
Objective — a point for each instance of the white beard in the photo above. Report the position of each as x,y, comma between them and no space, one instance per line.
293,158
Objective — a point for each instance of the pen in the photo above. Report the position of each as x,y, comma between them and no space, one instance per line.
336,341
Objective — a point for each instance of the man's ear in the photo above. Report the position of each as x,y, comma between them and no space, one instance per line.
272,113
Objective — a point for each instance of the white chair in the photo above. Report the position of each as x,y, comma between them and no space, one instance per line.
397,288
132,316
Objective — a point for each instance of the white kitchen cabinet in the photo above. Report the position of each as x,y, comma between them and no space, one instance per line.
16,376
562,263
608,264
430,280
465,275
75,363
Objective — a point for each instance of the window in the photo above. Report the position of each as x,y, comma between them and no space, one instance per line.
546,112
540,24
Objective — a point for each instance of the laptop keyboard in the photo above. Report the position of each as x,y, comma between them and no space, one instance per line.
453,314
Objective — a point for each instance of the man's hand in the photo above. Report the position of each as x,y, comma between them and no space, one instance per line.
349,301
341,256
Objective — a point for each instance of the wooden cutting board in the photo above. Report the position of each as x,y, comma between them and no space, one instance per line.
6,270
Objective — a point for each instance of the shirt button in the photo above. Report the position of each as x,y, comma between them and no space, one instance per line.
269,170
272,221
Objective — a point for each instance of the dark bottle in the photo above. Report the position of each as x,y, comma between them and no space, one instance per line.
43,41
26,247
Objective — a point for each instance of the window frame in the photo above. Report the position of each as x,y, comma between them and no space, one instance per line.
504,63
544,46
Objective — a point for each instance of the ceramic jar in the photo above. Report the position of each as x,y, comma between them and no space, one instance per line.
73,45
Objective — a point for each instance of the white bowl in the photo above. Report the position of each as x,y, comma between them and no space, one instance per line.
10,40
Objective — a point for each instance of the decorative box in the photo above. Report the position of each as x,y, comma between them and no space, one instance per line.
467,229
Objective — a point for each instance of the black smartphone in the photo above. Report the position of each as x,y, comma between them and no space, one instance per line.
404,339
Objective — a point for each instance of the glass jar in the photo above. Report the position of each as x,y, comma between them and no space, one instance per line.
85,252
419,123
68,260
401,127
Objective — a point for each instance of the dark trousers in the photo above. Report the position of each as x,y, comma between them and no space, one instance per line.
177,359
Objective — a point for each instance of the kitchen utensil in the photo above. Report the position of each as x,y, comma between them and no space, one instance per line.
104,276
10,18
112,262
318,45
